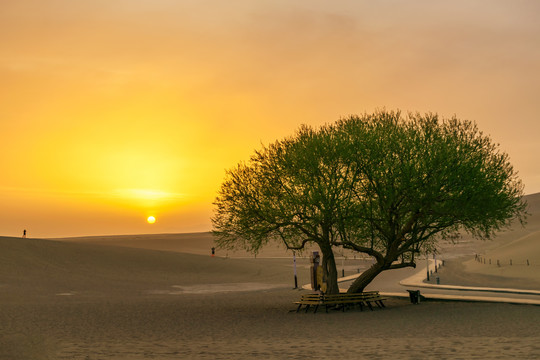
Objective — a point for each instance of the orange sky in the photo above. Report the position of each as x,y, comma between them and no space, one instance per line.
114,110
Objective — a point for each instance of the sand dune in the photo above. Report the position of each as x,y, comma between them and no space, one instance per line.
50,267
517,251
165,297
190,243
518,261
524,248
62,300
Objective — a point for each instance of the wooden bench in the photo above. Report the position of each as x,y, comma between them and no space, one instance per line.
340,301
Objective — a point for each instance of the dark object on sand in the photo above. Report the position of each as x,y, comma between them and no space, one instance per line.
414,295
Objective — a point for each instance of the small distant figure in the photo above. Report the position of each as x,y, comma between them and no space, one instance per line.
213,251
24,233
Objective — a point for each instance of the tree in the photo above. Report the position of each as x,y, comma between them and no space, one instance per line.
380,184
290,191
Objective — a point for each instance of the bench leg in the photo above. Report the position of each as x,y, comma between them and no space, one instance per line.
369,305
298,308
316,307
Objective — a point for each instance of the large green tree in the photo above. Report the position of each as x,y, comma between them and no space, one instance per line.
381,184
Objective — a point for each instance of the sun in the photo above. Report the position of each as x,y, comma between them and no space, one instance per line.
151,219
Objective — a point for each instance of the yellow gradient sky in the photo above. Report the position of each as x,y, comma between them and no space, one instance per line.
114,110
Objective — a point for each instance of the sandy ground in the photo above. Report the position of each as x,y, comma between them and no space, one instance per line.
164,297
85,301
257,324
510,260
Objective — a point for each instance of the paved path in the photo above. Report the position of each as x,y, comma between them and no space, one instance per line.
397,282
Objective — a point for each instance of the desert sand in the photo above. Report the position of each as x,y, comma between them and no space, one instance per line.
164,297
511,259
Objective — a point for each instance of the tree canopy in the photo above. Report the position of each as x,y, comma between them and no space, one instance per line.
380,184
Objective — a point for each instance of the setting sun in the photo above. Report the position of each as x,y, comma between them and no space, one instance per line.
151,219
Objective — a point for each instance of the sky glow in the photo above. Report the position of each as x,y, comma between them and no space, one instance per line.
116,110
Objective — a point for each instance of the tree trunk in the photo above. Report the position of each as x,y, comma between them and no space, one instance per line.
330,271
366,277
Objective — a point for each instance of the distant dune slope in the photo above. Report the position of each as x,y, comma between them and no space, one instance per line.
519,250
190,243
516,244
47,267
519,242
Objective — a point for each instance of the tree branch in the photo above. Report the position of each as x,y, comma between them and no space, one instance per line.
402,265
349,245
299,247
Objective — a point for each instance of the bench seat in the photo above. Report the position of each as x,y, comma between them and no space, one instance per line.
341,301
